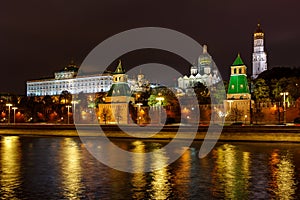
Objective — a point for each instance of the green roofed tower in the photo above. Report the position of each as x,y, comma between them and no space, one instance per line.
238,87
120,86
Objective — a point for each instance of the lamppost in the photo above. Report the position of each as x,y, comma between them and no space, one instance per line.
160,99
68,106
245,118
139,113
284,106
14,108
74,111
9,105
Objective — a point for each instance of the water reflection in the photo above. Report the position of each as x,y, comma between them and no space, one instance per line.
61,168
182,174
231,172
139,179
160,184
283,183
10,167
71,169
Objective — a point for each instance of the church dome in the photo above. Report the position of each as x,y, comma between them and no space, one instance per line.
198,76
192,76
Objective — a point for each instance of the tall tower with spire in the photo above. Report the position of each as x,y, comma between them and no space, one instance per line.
259,56
238,101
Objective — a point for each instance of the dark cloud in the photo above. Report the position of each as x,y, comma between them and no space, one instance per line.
39,37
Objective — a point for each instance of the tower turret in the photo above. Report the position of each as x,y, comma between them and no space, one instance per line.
259,56
119,75
204,62
238,85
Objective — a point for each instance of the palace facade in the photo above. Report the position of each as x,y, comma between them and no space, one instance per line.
68,80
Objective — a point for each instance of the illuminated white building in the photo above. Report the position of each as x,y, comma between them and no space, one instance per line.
204,72
259,56
67,80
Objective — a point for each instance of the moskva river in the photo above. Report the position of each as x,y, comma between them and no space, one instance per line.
62,168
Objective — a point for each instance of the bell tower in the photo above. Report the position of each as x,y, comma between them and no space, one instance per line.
259,56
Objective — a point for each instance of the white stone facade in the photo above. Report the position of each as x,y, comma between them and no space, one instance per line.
259,56
85,84
205,72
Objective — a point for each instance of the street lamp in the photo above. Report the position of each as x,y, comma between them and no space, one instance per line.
14,108
284,106
68,106
9,105
160,99
139,113
74,111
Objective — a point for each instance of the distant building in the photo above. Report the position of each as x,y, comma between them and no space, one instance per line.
204,72
67,79
115,107
140,84
237,105
259,56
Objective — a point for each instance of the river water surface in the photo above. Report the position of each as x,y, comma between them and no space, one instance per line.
62,168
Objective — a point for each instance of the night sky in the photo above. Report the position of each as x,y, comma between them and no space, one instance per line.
41,37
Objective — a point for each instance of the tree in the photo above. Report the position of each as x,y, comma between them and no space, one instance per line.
100,98
48,106
261,91
218,92
293,88
258,115
105,114
235,115
65,97
118,113
202,93
278,86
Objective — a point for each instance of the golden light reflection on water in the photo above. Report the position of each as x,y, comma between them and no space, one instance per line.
160,184
283,175
183,173
10,166
138,180
71,169
231,172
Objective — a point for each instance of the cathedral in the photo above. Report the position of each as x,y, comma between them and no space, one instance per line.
205,71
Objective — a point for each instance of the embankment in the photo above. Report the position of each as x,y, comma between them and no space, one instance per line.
229,133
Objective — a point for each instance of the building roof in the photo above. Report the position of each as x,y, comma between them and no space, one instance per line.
119,69
238,61
119,89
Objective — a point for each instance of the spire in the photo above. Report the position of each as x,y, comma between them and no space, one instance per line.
258,34
238,61
119,69
204,49
258,29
